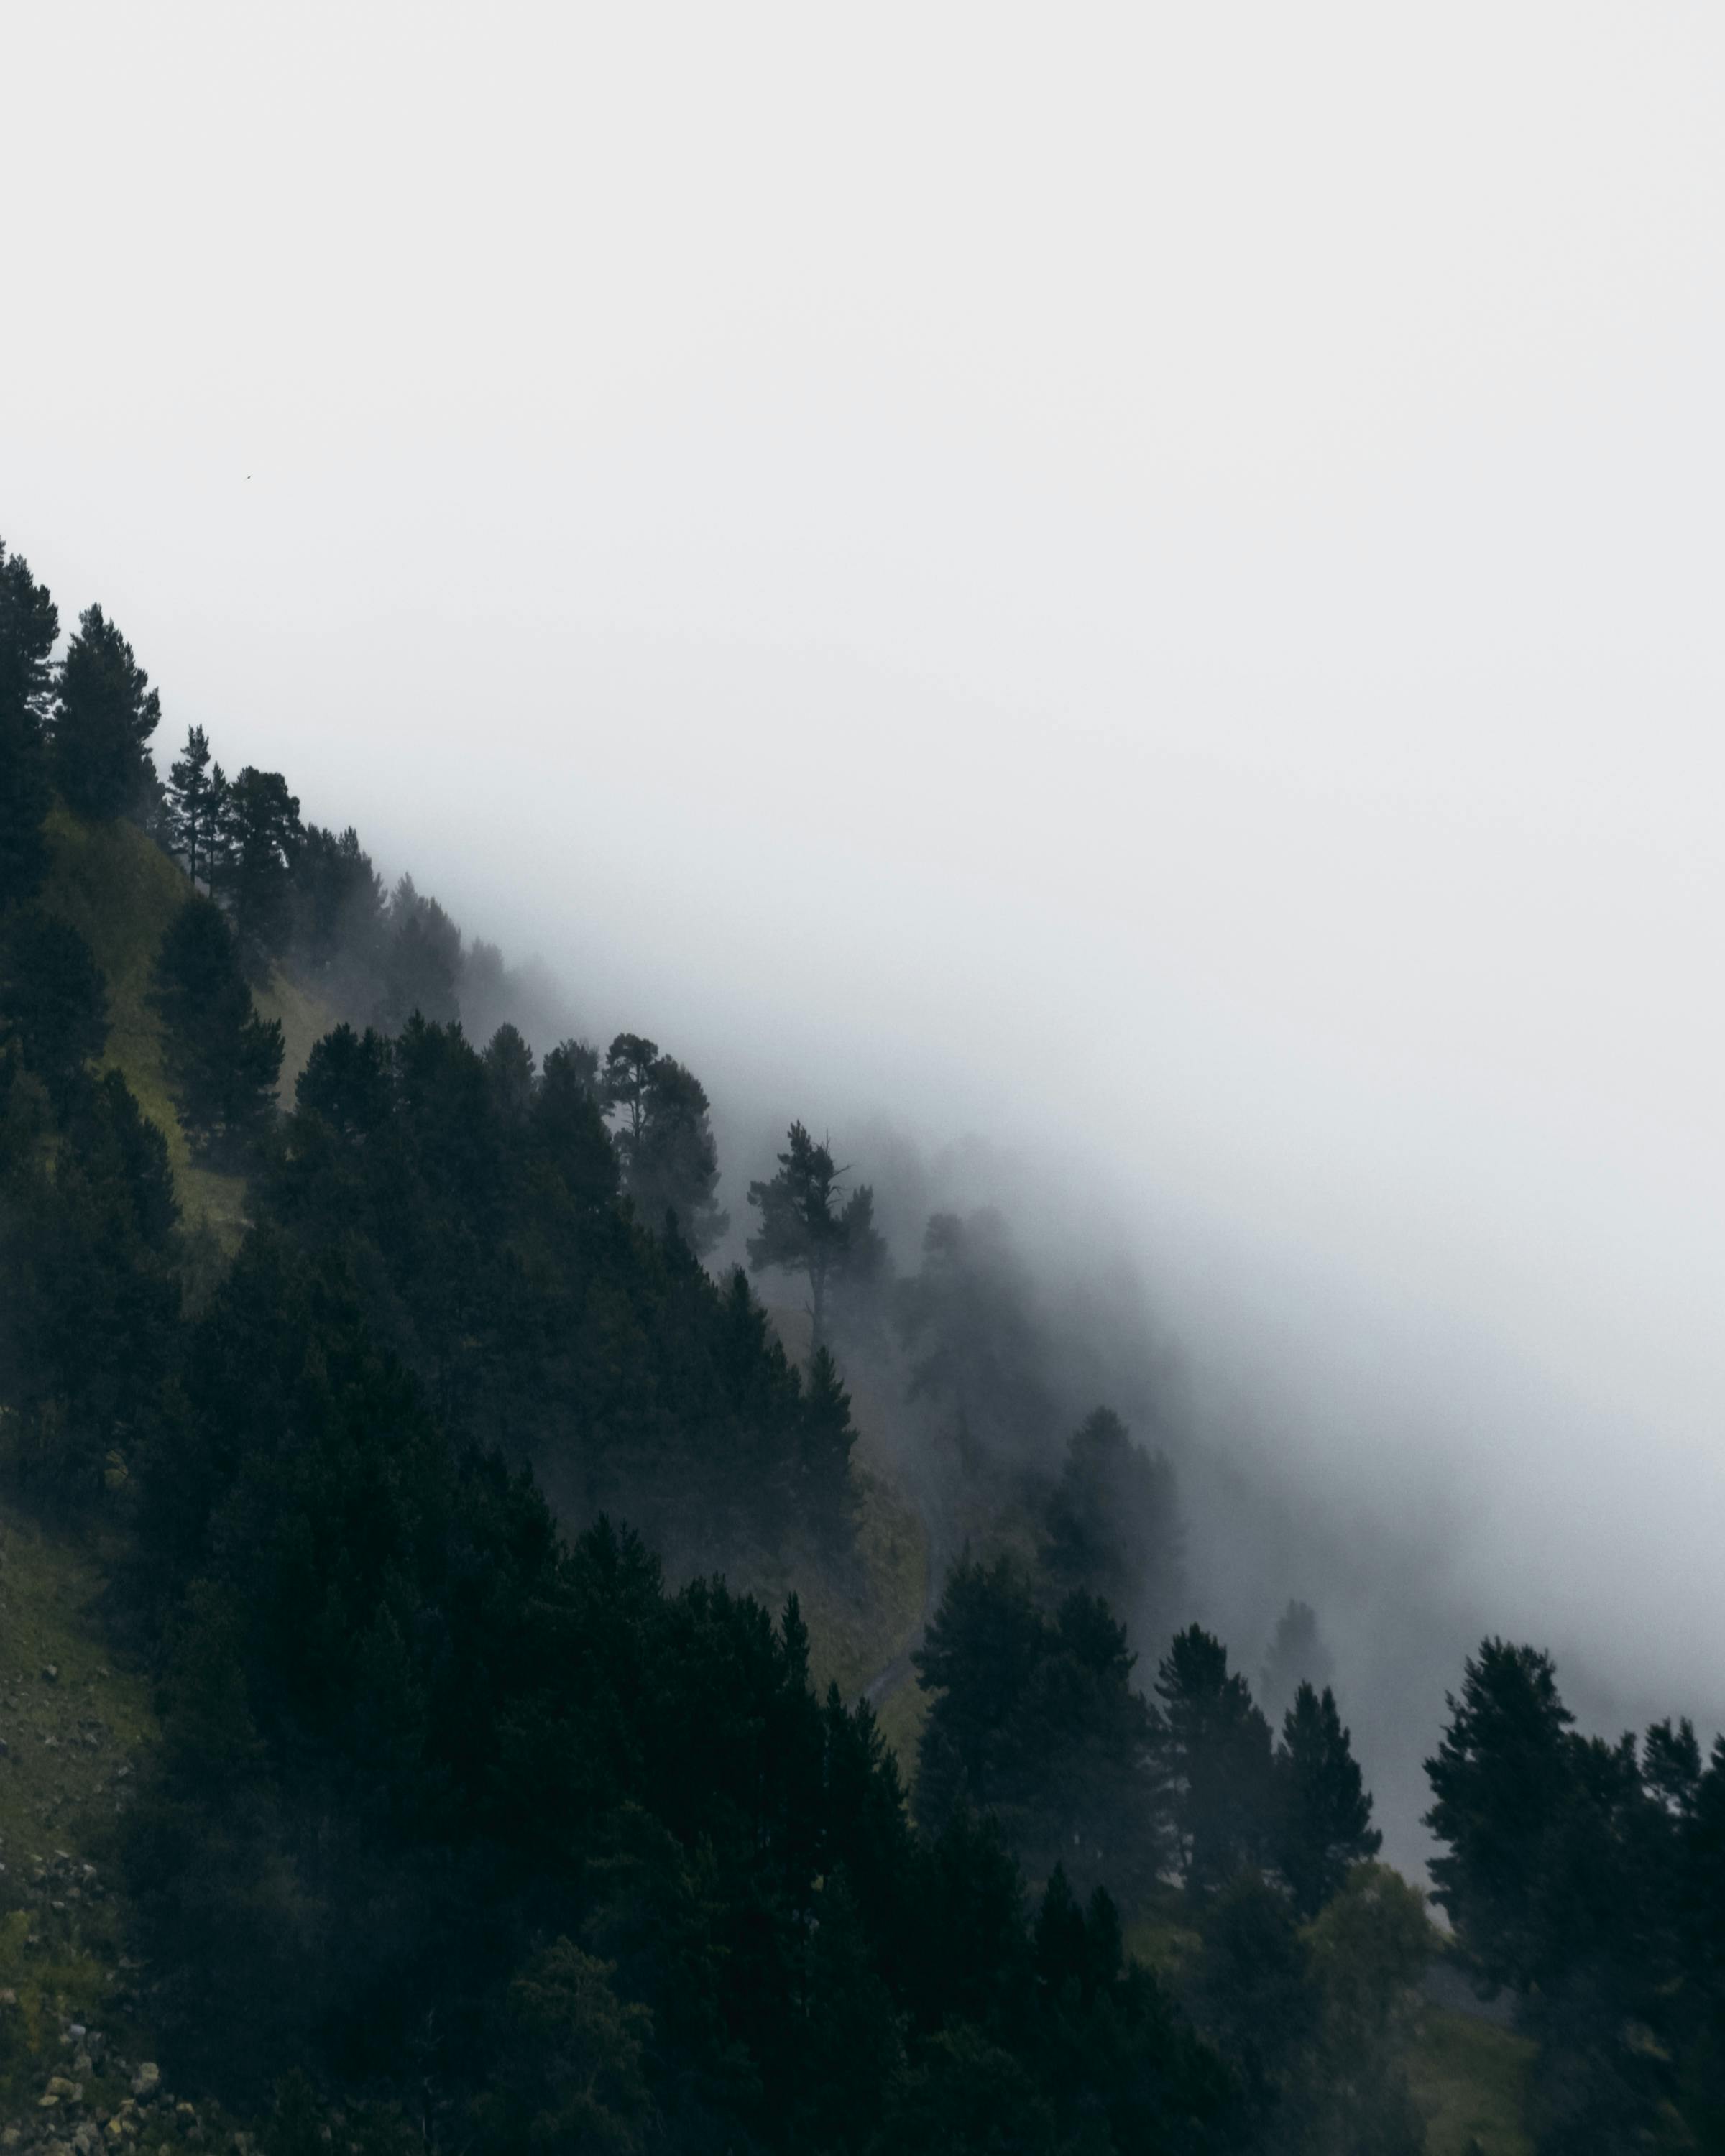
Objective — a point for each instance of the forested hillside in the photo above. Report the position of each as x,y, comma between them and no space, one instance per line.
384,1462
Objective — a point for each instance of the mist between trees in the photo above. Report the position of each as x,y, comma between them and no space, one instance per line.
480,1818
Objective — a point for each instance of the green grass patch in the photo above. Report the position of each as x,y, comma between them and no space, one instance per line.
1470,2078
122,892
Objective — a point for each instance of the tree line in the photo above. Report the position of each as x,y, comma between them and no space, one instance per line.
467,1832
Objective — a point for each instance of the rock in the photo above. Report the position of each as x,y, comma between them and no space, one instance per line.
61,2086
8,1997
50,1673
147,2079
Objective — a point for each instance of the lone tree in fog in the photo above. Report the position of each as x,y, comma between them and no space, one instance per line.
104,712
29,622
805,1229
1297,1655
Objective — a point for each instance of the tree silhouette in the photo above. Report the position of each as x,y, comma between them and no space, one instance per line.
805,1229
29,622
104,712
190,812
1324,1810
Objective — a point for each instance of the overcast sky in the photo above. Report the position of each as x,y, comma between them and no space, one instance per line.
1147,579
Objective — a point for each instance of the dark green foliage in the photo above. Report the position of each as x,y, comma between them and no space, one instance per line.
1586,1876
1217,1748
1035,1719
224,1060
805,1229
261,834
91,1291
569,2072
340,911
1500,1779
1255,1998
421,960
671,1163
480,1206
105,712
191,813
53,1002
1323,1810
1112,1524
29,622
828,1435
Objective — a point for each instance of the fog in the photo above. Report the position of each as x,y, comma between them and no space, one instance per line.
1124,603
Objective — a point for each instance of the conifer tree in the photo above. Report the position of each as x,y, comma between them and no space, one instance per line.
1219,1752
188,799
805,1229
29,622
1504,1769
1323,1808
665,1144
53,999
828,1436
421,964
262,830
1297,1655
223,1059
104,712
1112,1523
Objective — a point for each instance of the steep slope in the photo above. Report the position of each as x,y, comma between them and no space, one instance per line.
121,891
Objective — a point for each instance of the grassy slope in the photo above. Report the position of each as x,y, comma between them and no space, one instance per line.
121,891
70,1740
1470,2080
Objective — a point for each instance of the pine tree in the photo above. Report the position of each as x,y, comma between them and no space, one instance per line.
1297,1655
53,999
805,1229
1113,1522
828,1435
1324,1811
188,796
665,1144
104,712
421,964
224,1060
261,823
28,625
1218,1751
1504,1770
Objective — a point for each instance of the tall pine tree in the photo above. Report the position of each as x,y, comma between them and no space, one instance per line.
28,625
1323,1808
104,712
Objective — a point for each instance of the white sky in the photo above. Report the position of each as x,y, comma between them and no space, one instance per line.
1150,576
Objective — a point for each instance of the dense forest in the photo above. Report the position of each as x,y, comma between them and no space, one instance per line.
485,1810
